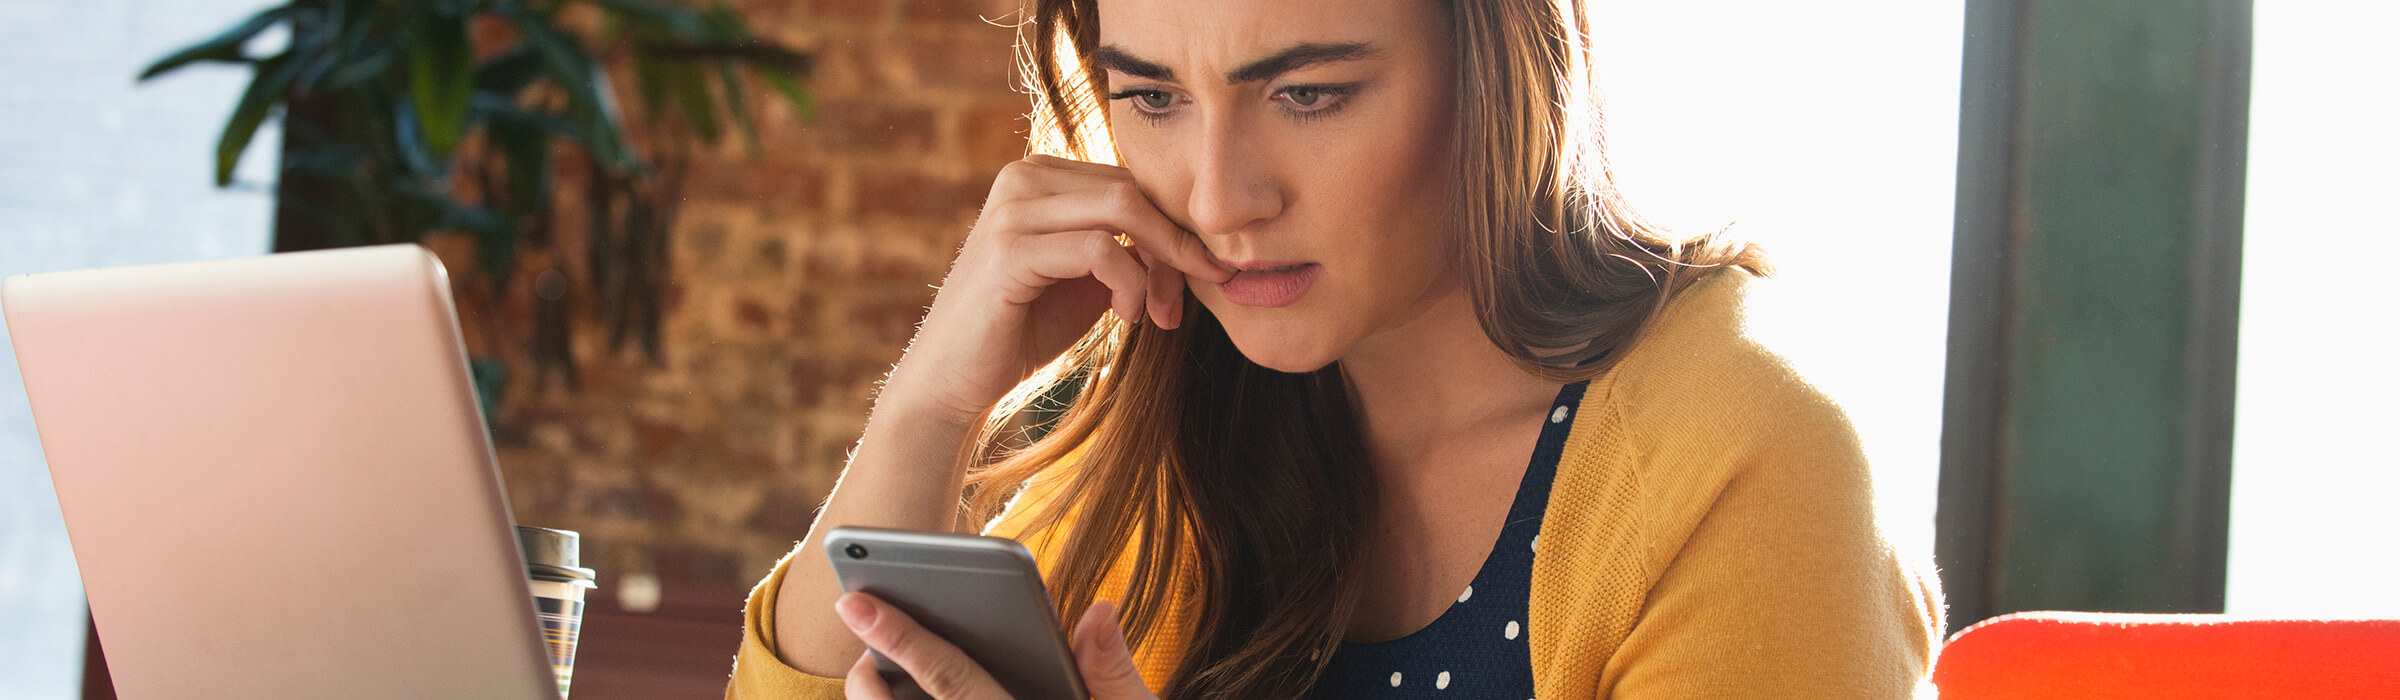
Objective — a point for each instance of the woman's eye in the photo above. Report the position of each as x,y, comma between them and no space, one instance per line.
1314,101
1150,104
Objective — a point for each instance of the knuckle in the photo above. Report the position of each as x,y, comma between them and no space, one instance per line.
1014,177
1190,244
1118,672
1099,245
1123,197
893,639
945,678
995,219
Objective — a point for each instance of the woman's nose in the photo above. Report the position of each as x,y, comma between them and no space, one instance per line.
1233,185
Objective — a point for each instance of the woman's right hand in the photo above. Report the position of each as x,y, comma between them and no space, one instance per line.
943,672
1037,270
1040,265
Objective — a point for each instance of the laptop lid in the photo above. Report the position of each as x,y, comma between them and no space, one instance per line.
276,479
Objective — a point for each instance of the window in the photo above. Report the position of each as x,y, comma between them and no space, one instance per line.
1827,131
95,170
2316,484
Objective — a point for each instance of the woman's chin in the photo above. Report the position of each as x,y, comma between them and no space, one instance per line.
1284,340
1292,353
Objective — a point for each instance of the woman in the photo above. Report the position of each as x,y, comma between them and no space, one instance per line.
1446,418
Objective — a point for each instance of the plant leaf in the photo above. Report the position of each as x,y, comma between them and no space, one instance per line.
409,138
441,76
495,109
738,106
495,232
650,75
225,47
269,78
691,94
789,87
675,20
586,86
527,150
725,23
509,72
358,68
755,54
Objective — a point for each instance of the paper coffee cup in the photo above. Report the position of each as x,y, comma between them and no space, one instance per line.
559,582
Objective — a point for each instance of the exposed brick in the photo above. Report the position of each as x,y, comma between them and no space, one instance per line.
704,239
848,10
702,566
994,136
786,513
889,322
955,62
800,319
796,279
657,438
659,505
851,126
772,185
771,255
488,34
832,380
981,12
616,503
604,375
920,196
751,313
907,266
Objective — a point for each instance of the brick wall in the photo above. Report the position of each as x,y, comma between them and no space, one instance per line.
798,278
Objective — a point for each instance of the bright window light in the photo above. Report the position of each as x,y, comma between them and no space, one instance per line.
1827,131
2316,479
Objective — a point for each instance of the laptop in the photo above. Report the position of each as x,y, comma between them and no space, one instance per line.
276,479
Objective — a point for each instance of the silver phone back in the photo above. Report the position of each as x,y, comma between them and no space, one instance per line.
983,594
275,478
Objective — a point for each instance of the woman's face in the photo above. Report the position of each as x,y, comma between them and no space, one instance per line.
1306,143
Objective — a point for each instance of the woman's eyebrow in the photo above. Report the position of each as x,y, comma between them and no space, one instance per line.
1299,56
1116,59
1292,58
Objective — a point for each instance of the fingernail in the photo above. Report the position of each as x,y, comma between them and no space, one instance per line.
855,612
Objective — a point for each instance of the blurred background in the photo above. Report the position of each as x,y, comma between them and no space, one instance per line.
679,354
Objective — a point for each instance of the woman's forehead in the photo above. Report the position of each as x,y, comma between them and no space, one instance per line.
1218,36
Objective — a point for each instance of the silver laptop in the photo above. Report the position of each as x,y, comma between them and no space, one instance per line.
276,480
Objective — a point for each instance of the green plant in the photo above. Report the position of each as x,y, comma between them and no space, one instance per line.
407,117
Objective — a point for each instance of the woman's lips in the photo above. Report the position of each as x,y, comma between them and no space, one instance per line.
1270,286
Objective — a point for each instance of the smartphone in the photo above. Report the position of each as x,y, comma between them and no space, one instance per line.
983,594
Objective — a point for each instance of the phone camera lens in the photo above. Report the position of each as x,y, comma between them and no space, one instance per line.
855,550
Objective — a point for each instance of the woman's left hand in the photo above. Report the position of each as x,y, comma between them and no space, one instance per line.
946,673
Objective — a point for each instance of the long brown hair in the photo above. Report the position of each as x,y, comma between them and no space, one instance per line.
1243,495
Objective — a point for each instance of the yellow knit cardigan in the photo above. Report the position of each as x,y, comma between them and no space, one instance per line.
1710,533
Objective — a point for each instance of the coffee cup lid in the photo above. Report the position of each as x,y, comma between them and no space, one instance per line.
553,555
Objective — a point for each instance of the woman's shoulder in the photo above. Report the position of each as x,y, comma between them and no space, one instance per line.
1700,372
1700,402
1707,486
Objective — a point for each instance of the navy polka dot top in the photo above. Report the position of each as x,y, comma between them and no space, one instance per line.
1477,648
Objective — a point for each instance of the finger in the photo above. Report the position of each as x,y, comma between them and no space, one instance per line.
1073,165
937,666
1048,258
1042,176
1164,296
864,682
1120,207
1103,657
